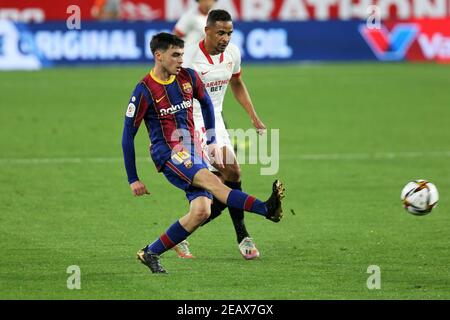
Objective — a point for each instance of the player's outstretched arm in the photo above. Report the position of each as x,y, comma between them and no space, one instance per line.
241,94
137,187
130,129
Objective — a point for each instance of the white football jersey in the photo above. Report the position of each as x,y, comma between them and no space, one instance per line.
191,26
215,72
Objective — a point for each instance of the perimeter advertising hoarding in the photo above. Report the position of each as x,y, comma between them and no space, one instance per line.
245,10
33,46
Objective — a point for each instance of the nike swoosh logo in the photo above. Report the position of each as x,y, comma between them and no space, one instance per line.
158,100
203,73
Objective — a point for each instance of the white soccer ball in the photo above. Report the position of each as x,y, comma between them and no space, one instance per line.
419,197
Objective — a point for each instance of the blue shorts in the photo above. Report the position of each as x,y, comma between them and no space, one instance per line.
180,170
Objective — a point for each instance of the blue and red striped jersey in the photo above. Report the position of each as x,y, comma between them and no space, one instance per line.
166,107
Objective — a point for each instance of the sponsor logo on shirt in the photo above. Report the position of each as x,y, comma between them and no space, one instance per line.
175,108
215,86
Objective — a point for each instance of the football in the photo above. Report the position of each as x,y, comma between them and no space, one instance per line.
419,197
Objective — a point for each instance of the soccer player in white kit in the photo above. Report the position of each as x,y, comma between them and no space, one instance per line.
191,25
218,63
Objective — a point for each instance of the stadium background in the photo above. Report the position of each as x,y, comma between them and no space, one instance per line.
361,111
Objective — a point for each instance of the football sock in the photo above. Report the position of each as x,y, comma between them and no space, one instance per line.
237,215
174,235
240,200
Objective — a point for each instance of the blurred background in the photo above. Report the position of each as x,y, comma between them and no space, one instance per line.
359,90
42,33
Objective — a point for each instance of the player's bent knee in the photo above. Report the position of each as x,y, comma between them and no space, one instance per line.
203,215
200,214
200,209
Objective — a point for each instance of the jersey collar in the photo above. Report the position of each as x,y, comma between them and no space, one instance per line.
208,57
165,82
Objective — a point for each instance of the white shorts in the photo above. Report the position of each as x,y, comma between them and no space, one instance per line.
222,137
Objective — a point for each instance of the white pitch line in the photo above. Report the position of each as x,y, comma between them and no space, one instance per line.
367,156
303,157
65,160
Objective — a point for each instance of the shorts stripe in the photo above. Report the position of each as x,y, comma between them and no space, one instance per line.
178,172
166,241
249,203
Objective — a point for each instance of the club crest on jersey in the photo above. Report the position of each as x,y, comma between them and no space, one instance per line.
229,65
188,164
187,88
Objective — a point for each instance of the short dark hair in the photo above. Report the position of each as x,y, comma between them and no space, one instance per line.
163,41
217,15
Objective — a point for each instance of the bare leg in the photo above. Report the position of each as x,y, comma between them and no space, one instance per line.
205,179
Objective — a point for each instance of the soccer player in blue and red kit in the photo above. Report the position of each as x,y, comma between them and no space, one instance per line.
163,100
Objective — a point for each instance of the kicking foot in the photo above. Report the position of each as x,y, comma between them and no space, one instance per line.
273,204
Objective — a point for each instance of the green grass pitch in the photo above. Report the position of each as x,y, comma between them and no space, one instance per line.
351,135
